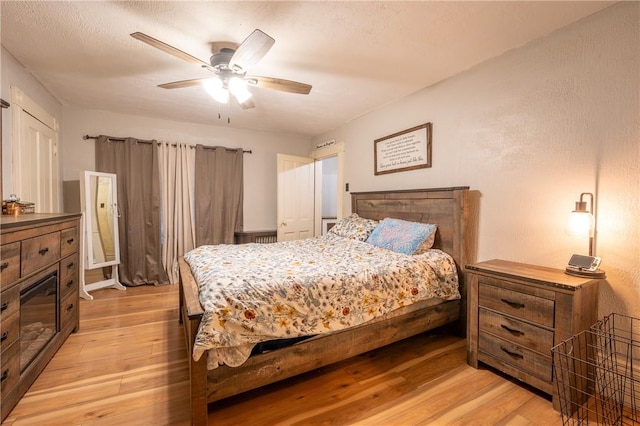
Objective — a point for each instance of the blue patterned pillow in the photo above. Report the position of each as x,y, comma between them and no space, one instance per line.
354,227
403,236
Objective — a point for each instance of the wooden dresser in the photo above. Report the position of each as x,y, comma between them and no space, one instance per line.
518,312
34,248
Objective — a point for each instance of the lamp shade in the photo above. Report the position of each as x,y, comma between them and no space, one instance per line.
581,224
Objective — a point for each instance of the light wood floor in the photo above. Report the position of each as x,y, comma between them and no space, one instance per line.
127,366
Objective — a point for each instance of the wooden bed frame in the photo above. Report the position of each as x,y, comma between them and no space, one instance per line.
452,209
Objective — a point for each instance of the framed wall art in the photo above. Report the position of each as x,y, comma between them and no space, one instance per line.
406,150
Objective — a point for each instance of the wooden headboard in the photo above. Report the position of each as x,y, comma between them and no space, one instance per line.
454,210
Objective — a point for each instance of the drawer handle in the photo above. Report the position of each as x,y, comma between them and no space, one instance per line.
70,307
70,240
513,355
514,305
70,265
43,251
512,330
70,283
4,336
4,266
5,374
4,306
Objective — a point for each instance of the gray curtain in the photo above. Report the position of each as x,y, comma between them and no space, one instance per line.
219,190
135,164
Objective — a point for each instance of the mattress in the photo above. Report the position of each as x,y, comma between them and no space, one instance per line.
254,293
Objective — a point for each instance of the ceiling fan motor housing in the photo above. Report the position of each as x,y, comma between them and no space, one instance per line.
220,61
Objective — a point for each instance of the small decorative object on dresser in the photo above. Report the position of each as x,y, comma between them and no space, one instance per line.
518,312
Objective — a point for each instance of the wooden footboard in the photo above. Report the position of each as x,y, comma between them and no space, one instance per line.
455,212
273,366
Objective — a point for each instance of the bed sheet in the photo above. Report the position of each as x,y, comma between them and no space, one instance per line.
258,292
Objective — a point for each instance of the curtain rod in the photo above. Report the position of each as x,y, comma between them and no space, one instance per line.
87,137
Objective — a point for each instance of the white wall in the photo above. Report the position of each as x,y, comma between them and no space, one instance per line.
530,130
259,167
77,154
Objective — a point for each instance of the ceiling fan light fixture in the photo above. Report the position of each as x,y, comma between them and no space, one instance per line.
215,88
229,63
238,88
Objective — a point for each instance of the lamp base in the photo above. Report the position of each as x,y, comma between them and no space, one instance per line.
586,274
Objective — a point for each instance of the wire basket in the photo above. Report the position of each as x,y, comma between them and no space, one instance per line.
596,373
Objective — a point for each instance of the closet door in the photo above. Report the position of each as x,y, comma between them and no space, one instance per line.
36,165
40,166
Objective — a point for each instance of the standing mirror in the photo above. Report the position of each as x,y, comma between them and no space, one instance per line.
99,200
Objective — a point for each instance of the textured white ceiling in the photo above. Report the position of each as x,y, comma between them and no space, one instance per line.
357,56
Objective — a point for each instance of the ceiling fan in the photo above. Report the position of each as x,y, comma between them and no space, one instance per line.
229,64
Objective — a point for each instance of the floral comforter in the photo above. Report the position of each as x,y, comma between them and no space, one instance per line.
257,292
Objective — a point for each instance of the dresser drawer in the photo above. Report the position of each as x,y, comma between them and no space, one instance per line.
39,252
68,308
9,263
9,317
492,348
68,267
68,284
9,302
520,305
68,241
10,330
519,332
9,368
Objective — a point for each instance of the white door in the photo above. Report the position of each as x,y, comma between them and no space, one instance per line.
295,197
38,165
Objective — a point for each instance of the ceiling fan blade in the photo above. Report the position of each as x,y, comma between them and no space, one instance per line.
168,49
248,104
251,50
279,84
183,83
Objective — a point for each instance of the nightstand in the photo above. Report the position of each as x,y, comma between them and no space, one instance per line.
518,312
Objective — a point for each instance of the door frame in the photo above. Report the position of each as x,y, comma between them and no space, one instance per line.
335,150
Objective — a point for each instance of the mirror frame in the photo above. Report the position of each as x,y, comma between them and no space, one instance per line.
88,209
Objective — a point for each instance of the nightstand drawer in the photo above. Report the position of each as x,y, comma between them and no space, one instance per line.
522,358
520,305
522,333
